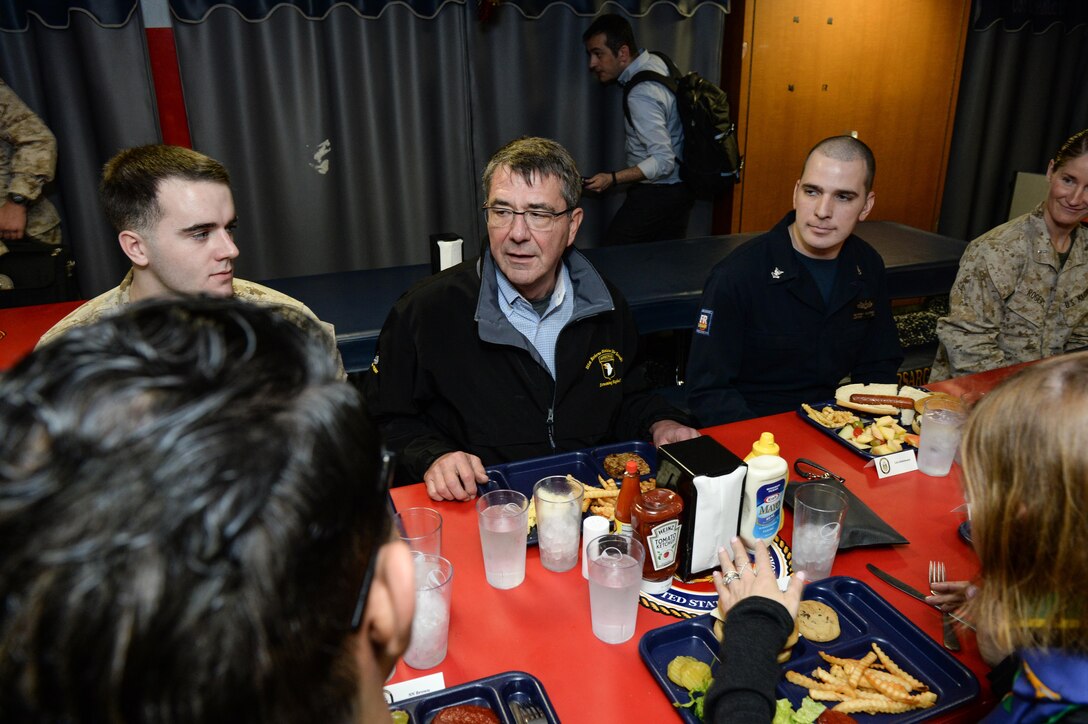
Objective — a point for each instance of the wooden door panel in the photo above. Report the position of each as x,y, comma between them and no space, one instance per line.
886,69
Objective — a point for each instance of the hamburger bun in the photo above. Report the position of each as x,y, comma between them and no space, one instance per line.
919,402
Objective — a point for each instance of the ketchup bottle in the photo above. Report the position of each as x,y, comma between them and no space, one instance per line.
655,519
628,492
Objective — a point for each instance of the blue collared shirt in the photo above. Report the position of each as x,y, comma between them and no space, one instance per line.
655,136
542,330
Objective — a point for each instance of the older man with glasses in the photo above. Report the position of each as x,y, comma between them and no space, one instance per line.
524,352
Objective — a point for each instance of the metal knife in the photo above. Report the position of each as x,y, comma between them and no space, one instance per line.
910,591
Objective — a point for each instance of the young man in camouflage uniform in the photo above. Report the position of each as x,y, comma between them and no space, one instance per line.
174,214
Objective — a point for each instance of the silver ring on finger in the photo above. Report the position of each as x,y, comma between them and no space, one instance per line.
730,577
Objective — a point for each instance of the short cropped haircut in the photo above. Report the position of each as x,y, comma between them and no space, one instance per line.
1075,147
847,148
530,156
617,33
1026,476
130,182
188,502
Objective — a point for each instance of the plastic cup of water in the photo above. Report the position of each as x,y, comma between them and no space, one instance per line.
615,576
818,512
421,529
942,425
431,623
504,525
558,521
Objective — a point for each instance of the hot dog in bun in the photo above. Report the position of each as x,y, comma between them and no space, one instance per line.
877,398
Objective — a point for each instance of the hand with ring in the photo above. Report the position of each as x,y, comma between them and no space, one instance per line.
735,584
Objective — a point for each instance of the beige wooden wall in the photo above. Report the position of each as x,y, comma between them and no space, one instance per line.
802,70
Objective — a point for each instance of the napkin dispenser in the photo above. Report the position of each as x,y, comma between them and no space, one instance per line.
710,481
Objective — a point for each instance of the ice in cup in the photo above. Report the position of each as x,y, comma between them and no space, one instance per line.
504,526
421,529
818,512
431,623
942,424
558,521
615,576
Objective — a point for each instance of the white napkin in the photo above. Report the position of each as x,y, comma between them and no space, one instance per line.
449,253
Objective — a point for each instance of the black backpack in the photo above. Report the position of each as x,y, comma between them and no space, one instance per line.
712,162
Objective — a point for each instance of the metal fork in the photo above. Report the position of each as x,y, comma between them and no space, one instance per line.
937,575
528,713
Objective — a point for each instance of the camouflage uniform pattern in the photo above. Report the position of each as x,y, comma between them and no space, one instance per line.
1012,302
110,302
28,158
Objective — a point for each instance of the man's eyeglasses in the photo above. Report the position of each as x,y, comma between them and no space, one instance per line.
500,217
389,464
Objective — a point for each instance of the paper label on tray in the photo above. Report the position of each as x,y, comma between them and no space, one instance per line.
895,463
414,687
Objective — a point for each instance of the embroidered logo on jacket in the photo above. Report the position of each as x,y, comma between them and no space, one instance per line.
703,325
865,309
777,273
608,361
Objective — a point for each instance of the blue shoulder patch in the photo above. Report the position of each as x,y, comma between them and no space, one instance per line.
703,325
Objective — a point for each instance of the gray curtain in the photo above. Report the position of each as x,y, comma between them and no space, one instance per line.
411,107
90,83
531,77
344,136
1022,93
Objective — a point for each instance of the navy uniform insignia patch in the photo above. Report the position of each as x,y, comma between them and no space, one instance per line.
865,309
702,326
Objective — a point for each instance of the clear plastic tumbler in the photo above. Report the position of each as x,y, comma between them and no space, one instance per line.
504,525
818,512
558,521
615,576
421,529
431,623
942,423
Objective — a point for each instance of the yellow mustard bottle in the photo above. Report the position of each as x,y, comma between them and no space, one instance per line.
765,445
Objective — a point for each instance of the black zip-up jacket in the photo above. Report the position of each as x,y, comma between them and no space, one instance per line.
452,373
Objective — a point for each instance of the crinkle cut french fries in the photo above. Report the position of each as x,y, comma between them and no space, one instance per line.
873,684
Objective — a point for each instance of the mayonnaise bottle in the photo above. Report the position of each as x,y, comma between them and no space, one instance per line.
764,492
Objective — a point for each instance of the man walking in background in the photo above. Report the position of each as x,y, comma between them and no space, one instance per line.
658,203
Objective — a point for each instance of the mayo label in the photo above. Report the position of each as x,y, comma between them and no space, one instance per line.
768,509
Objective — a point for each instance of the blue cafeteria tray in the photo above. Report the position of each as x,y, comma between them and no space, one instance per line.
864,617
495,692
585,465
833,432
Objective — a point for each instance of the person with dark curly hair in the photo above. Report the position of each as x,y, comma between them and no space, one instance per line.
194,524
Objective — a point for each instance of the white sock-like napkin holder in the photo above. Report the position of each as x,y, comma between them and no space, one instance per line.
710,481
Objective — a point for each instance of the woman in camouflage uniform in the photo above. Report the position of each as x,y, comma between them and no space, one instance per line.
1022,289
